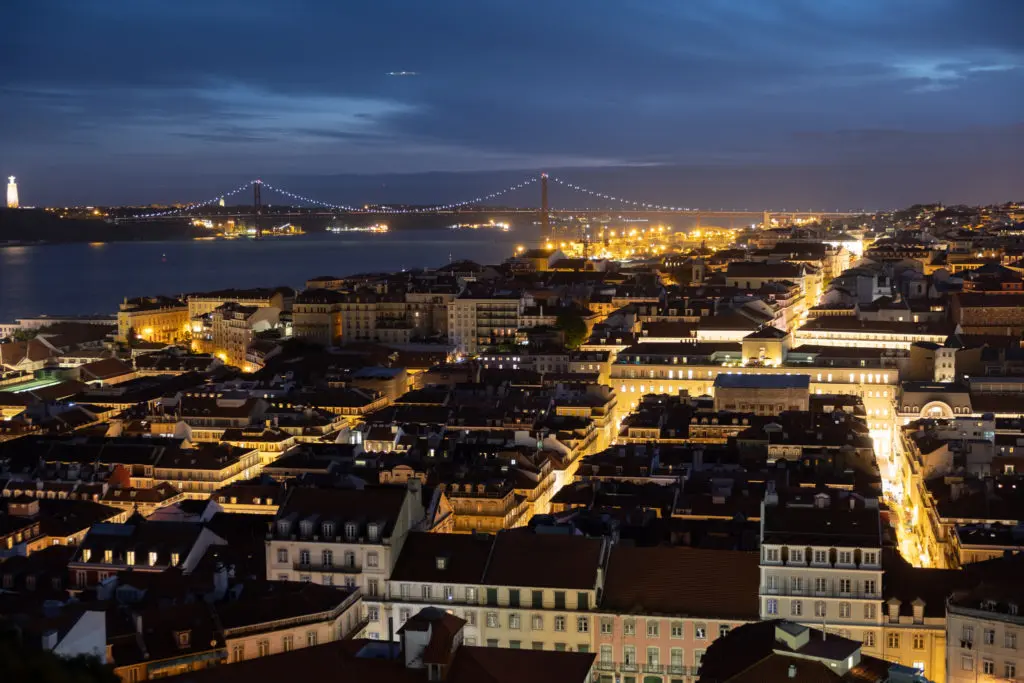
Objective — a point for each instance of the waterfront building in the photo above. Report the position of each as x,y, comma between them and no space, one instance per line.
153,319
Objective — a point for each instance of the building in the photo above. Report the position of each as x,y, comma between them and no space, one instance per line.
663,606
478,322
234,327
431,648
153,319
781,651
984,628
762,394
350,537
12,193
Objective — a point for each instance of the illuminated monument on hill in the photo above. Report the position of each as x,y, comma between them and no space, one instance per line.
12,193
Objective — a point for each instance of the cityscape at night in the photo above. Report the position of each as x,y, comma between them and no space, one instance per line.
512,343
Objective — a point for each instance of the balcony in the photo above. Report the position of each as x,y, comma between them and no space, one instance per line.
327,568
654,668
605,666
629,668
676,669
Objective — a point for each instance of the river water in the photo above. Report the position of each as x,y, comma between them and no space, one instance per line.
74,279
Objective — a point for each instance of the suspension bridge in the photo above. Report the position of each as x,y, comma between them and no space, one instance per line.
300,205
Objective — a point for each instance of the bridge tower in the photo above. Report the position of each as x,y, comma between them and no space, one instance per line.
766,220
257,206
545,209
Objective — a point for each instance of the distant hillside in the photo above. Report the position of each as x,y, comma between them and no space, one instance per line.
30,225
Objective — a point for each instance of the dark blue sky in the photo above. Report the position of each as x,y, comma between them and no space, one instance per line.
698,102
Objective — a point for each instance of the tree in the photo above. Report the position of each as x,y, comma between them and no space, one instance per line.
572,324
19,662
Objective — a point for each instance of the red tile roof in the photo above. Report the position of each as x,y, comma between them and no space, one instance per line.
683,582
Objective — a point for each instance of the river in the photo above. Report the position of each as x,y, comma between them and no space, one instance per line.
74,279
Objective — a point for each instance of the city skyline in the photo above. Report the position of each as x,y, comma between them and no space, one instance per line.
712,104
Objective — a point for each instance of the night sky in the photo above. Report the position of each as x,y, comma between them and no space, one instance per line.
824,103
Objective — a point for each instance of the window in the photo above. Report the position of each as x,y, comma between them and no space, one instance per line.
130,557
845,585
282,554
582,601
820,585
405,590
1010,640
470,594
773,583
723,630
967,634
537,622
988,667
676,629
869,586
327,580
372,531
327,558
918,641
372,613
820,557
238,653
536,646
559,623
653,656
513,621
311,638
538,599
492,620
771,554
606,626
492,597
1010,670
492,642
513,597
796,608
893,640
772,606
426,591
846,557
676,658
350,559
870,611
844,610
350,530
819,608
652,628
287,643
796,555
629,627
700,632
471,617
583,624
967,662
869,638
606,655
698,657
449,593
515,644
797,584
263,647
869,557
304,557
559,599
559,647
371,559
988,636
404,614
629,655
919,665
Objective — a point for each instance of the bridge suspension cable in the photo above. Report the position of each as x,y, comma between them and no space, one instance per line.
601,195
391,211
172,212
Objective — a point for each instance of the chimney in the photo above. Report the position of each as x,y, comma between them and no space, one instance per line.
792,671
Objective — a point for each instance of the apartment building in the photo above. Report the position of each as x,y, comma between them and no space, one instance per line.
984,631
478,322
520,589
202,303
663,607
349,537
234,327
153,319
